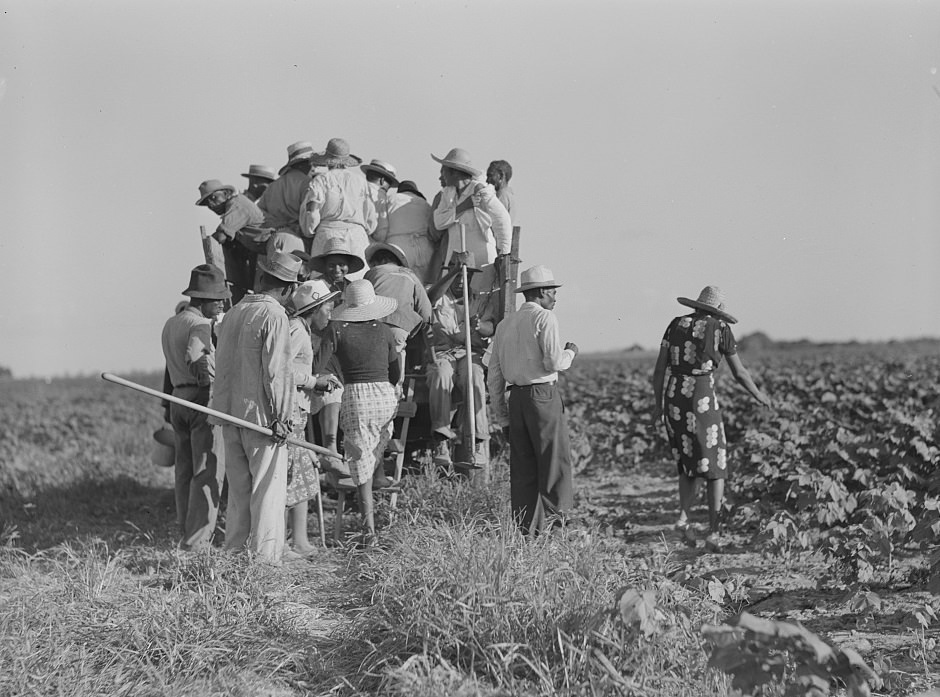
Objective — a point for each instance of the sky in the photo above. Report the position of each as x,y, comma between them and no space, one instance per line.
786,151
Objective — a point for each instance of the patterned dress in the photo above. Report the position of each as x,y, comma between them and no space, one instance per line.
696,344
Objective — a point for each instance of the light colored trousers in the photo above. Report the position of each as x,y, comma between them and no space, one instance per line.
200,470
257,492
444,375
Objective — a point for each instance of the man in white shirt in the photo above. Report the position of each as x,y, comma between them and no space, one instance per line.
468,201
527,355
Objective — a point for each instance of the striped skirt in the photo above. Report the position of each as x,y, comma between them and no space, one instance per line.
366,418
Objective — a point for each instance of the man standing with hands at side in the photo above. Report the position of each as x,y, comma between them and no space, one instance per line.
527,355
254,382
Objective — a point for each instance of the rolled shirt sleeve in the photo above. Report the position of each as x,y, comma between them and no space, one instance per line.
555,357
496,385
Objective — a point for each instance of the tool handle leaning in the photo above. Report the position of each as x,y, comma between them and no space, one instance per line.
235,421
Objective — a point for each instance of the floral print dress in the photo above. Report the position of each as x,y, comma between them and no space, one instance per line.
696,344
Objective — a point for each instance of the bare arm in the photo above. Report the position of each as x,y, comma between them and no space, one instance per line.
659,375
744,379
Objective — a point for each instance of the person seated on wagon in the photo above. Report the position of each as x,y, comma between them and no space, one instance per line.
390,275
448,371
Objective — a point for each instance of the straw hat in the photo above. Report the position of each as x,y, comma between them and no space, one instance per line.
339,246
209,187
409,187
537,277
281,265
383,168
296,152
309,295
361,304
390,247
261,172
164,446
471,262
208,282
458,159
336,155
711,300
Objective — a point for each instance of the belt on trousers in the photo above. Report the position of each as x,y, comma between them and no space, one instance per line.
529,387
179,387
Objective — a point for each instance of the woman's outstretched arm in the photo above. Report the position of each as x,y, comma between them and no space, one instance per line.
744,379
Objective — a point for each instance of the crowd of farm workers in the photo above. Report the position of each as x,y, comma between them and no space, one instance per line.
330,267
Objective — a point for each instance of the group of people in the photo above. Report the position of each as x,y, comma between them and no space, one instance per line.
330,267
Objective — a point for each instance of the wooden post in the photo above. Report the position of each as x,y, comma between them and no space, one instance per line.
470,432
212,250
508,273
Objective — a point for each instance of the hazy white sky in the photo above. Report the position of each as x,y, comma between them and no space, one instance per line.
786,151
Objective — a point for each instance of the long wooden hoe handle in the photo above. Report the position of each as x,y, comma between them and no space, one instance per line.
110,377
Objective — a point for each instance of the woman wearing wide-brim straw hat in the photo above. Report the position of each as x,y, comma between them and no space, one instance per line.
684,388
366,350
338,203
310,303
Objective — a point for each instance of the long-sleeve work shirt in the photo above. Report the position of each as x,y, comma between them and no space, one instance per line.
253,379
527,350
187,347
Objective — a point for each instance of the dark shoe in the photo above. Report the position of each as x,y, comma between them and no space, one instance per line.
395,446
380,481
717,543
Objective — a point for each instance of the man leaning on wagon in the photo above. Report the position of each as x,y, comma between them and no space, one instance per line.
190,362
467,200
281,201
254,383
238,234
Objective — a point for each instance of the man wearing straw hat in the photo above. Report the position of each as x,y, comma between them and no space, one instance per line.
190,363
338,203
448,371
282,199
381,177
259,178
527,357
238,233
254,382
467,201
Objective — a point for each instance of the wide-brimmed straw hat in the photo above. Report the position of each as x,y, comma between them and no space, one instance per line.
207,281
471,262
261,172
458,159
281,265
361,304
711,300
336,155
383,168
537,277
297,152
337,246
309,295
209,187
389,247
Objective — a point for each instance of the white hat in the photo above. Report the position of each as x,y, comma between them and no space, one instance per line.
537,277
360,303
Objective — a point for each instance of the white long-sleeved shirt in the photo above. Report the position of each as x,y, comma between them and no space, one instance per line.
487,226
527,350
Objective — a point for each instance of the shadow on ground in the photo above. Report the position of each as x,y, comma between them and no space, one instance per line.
119,511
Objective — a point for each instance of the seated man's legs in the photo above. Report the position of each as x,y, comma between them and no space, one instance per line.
440,376
481,423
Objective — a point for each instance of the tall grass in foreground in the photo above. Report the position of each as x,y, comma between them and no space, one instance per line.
75,622
461,604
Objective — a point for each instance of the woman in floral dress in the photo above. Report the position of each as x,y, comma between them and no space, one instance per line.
684,387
